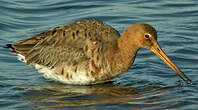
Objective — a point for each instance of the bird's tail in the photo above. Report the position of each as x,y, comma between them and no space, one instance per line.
9,46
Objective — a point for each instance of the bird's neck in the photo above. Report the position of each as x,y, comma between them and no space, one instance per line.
127,52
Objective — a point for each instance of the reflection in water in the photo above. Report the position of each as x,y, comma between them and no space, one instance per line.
56,95
175,21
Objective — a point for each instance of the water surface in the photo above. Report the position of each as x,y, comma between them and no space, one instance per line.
149,83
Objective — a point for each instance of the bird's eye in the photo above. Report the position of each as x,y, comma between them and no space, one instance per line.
147,36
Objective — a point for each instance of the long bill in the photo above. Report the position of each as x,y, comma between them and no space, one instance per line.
159,52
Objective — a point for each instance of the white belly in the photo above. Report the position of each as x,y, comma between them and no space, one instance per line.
79,77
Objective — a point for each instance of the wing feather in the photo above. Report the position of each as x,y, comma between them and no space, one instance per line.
69,43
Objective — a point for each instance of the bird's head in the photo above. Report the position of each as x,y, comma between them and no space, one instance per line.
145,36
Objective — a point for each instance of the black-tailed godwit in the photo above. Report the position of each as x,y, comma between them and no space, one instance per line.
88,51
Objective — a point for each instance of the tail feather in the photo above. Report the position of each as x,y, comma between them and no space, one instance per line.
8,46
12,49
20,48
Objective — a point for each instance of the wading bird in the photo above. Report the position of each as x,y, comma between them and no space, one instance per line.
88,51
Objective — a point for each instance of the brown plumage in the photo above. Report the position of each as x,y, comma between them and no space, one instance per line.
88,51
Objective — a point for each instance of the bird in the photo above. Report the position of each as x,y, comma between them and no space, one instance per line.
88,51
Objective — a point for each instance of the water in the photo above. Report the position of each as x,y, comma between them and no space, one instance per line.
149,84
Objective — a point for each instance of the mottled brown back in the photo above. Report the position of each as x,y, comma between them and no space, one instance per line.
67,43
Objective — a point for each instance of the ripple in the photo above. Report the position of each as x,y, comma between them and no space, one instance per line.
148,84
